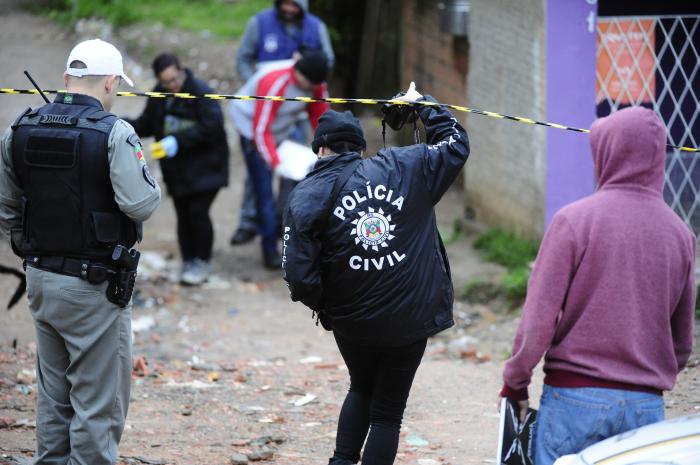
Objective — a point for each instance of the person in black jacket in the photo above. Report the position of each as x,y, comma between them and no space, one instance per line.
192,143
370,263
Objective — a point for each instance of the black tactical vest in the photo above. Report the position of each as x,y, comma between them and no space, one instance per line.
59,152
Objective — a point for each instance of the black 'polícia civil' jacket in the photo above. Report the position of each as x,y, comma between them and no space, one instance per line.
372,260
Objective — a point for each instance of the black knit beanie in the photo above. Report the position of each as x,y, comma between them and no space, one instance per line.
334,127
314,66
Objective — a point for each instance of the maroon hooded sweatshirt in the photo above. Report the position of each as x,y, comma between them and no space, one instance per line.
611,299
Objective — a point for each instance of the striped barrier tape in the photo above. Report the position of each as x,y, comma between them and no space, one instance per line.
364,101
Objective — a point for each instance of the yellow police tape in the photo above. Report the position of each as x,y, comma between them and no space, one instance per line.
364,101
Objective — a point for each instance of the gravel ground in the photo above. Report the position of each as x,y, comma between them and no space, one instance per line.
235,367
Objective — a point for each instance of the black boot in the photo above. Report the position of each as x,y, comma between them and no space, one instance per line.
337,461
242,236
272,260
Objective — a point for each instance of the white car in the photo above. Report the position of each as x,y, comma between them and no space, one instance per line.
670,442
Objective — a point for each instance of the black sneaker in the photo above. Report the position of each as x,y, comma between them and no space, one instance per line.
272,260
242,236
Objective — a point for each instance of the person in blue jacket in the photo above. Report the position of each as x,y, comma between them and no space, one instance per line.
370,263
278,33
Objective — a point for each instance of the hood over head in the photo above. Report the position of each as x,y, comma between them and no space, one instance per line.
303,4
629,149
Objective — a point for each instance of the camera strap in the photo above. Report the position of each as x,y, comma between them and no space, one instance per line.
408,116
384,132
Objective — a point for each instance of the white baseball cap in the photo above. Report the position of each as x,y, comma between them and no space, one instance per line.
101,59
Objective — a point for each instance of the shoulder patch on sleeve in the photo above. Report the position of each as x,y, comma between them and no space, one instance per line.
147,176
134,140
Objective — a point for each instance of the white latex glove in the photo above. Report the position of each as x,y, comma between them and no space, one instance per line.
412,95
170,145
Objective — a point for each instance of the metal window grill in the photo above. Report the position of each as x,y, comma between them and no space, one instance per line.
654,61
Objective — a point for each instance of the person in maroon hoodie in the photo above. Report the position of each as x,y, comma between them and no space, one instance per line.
611,300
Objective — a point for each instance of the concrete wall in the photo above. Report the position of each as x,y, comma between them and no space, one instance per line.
435,60
505,174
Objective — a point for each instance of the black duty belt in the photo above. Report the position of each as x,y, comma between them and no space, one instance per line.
89,270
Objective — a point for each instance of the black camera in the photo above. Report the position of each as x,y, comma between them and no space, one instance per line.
397,115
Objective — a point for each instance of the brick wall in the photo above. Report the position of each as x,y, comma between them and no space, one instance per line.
436,61
506,170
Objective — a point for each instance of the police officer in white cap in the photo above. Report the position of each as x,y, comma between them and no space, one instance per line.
74,189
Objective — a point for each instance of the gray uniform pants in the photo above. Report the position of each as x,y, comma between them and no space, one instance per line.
83,369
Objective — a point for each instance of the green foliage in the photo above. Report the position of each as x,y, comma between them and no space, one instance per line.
479,291
221,18
506,249
455,234
512,288
515,284
512,252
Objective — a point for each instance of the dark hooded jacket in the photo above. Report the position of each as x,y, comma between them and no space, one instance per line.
202,161
372,260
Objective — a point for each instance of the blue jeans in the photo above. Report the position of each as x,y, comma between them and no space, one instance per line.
249,213
571,419
260,176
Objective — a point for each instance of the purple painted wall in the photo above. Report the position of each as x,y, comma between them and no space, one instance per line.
570,57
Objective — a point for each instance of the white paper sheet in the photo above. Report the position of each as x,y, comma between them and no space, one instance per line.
296,160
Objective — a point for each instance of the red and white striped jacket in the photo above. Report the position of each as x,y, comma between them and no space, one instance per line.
267,122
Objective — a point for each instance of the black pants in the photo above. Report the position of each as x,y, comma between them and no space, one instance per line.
380,381
195,232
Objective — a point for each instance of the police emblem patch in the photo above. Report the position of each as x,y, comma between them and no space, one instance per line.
373,229
270,43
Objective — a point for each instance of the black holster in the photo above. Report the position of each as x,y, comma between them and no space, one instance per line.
121,287
121,284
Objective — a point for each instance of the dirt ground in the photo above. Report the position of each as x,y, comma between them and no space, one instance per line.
235,366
